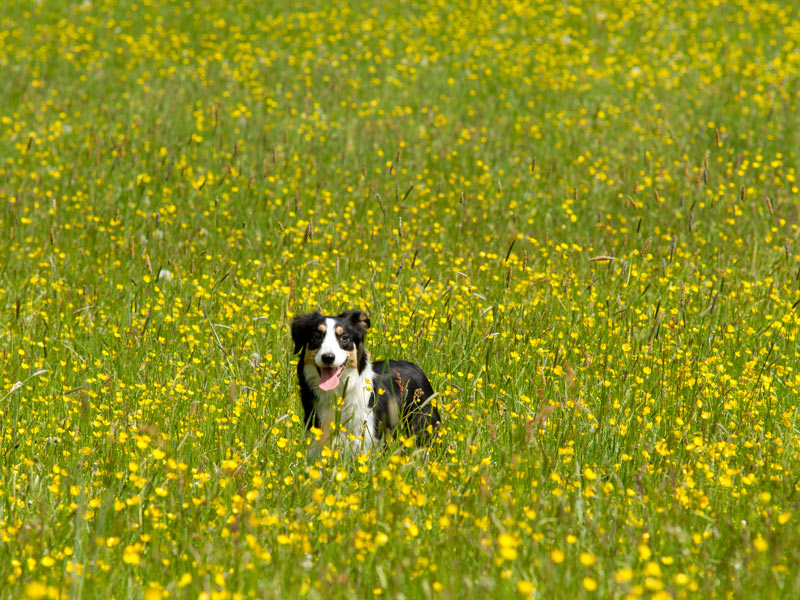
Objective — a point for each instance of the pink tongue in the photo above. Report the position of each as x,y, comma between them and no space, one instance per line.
329,378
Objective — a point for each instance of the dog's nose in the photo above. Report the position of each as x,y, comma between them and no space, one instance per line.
327,358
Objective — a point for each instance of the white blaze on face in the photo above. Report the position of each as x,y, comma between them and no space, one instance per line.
329,372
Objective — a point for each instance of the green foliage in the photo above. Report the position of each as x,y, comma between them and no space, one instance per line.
580,219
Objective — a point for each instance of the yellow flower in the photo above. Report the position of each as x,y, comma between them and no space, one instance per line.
644,552
35,590
587,559
653,584
130,556
153,593
508,552
506,540
557,556
590,584
525,587
624,575
652,569
760,543
680,579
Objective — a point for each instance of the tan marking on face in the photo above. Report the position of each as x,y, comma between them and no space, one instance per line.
339,330
308,357
352,358
321,327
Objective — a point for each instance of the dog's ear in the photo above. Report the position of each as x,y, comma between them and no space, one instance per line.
302,328
358,318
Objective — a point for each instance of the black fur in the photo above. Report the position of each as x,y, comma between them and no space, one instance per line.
303,327
401,393
306,398
405,383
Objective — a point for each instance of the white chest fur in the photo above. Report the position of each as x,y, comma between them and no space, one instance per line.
352,416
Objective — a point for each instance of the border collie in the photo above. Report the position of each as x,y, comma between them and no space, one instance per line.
376,398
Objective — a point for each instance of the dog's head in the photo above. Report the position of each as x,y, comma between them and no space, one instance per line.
331,344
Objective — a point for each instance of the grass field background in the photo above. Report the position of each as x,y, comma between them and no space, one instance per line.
579,218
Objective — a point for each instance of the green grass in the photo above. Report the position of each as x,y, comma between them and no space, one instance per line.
579,219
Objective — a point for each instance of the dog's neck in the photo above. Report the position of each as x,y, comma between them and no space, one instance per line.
353,414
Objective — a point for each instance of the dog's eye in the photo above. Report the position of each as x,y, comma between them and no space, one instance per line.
345,339
317,336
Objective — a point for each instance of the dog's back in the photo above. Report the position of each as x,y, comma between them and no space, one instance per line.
403,396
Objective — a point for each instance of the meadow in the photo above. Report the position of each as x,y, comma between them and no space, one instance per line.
581,219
